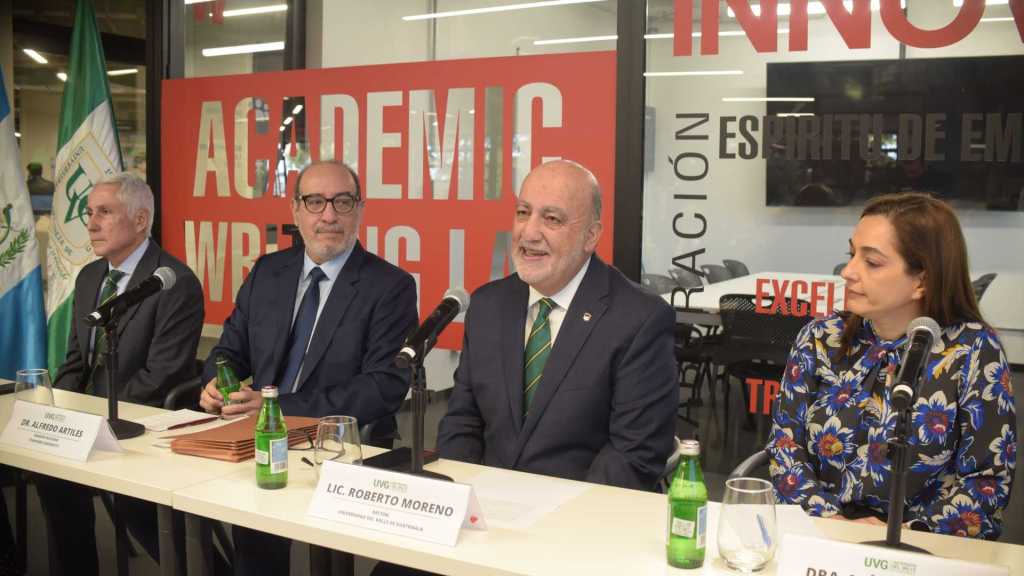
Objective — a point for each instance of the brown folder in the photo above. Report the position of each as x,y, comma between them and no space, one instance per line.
236,442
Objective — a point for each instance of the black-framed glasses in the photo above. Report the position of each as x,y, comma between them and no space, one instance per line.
316,203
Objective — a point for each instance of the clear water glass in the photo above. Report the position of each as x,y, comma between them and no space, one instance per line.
33,385
337,440
747,536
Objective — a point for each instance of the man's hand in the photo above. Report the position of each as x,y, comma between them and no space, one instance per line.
244,402
210,398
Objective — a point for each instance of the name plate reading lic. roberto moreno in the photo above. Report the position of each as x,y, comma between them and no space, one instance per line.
807,556
402,504
58,431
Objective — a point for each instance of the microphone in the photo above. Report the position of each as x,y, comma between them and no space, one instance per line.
163,278
921,335
422,340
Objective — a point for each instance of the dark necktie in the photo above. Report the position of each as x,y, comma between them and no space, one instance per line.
538,348
302,330
109,291
99,346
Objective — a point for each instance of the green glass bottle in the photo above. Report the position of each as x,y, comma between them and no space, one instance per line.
227,382
687,510
271,443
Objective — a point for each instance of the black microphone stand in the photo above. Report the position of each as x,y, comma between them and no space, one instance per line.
897,446
418,385
123,429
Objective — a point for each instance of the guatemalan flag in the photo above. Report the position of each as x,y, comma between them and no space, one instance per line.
22,317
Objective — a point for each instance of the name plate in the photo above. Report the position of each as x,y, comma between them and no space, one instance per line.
402,504
58,431
807,556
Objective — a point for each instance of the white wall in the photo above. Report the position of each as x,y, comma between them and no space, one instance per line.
740,226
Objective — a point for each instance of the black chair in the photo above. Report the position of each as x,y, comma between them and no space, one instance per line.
754,345
838,269
670,467
736,268
751,465
981,284
686,280
715,273
657,284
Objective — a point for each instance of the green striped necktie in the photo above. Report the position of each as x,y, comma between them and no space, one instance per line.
109,291
538,348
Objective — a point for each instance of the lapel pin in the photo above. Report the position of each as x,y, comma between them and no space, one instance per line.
586,316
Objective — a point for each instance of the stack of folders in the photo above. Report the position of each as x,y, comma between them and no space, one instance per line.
235,442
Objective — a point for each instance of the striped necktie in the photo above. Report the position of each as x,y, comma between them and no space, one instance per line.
538,348
109,291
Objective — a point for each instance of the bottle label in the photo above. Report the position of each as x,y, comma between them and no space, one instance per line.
262,456
683,527
702,526
279,455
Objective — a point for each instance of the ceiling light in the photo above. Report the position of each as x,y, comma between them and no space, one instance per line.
288,120
696,73
1006,19
187,2
282,129
17,134
35,56
63,76
814,8
243,49
959,3
794,114
256,10
576,39
772,99
297,109
123,72
490,9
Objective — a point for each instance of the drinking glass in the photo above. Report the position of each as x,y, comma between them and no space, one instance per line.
746,527
33,385
337,439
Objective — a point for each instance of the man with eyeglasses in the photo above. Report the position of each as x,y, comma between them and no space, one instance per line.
322,322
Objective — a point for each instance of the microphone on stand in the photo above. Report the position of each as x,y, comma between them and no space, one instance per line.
163,278
421,341
921,335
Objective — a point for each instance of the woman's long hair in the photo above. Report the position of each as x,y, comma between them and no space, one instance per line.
929,239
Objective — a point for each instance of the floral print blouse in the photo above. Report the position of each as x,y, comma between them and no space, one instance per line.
831,422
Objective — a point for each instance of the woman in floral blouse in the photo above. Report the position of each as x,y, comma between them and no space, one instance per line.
833,416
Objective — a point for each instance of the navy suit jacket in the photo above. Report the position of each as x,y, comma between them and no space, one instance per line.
604,410
349,366
157,338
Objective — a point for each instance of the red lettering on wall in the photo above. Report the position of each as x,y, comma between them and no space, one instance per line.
901,28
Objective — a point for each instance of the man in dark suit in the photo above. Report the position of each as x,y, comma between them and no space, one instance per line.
567,367
321,322
157,349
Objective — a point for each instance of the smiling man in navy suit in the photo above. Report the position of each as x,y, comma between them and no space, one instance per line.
567,367
322,322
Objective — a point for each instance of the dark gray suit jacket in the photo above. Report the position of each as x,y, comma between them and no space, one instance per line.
349,367
157,337
604,410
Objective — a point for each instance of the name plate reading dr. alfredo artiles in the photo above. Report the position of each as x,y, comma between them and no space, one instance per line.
58,431
402,504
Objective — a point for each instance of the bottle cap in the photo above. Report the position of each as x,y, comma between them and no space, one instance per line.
689,448
269,391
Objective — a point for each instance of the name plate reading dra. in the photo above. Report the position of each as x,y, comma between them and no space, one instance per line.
58,431
807,556
402,504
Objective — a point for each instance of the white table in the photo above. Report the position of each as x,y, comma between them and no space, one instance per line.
604,530
142,471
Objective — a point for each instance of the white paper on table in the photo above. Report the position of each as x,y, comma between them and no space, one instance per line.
169,420
791,519
520,501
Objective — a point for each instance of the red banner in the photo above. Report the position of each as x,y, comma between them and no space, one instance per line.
441,148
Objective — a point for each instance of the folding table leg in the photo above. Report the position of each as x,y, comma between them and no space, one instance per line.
21,522
198,545
168,545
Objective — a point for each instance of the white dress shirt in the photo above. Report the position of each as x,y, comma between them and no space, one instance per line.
562,298
128,267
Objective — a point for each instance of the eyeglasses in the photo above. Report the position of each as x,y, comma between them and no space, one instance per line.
316,204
